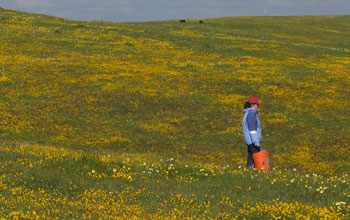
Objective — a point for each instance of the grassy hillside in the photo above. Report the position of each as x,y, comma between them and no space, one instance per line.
143,120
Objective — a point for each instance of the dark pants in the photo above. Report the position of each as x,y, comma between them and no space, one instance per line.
251,150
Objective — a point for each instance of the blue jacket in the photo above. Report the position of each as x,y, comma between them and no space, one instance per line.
251,127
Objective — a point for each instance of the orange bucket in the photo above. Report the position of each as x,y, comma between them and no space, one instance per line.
261,160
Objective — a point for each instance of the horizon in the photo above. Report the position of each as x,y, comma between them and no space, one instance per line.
301,15
156,10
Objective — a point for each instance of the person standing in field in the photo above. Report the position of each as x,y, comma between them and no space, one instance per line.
252,128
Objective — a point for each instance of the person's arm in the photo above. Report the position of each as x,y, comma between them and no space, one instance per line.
252,126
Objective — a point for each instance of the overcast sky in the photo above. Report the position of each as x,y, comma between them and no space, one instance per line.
148,10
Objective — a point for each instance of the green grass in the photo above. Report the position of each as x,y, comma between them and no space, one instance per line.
93,112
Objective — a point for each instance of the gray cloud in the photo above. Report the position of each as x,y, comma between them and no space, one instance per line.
145,10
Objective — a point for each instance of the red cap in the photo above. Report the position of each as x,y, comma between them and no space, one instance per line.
254,100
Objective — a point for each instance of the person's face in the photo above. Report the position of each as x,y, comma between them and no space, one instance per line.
255,106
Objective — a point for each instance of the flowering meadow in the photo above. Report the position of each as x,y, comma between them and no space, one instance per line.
103,120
